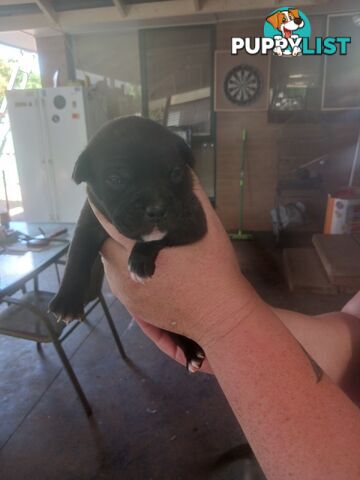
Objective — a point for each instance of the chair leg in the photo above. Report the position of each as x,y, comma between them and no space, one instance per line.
36,283
38,346
112,326
72,376
57,273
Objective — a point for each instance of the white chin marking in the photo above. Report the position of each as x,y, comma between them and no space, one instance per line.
156,234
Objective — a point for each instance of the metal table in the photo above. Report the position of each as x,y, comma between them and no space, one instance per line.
17,269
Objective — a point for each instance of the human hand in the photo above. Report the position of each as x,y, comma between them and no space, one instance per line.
193,289
166,344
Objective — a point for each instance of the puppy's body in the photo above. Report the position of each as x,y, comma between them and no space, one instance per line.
138,176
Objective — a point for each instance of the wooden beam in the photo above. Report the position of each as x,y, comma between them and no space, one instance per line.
24,22
160,9
14,2
119,4
19,39
47,9
152,12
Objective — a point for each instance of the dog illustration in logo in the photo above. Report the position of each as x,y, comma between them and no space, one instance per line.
287,22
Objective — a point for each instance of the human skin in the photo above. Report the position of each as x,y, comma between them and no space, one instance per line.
298,427
333,341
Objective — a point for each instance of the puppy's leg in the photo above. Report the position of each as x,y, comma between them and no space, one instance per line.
89,235
192,227
142,258
194,354
142,265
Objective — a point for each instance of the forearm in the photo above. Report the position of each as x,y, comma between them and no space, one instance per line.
298,428
328,338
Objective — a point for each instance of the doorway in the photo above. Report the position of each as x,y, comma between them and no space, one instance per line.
177,89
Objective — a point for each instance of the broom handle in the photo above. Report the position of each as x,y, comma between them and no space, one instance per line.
242,177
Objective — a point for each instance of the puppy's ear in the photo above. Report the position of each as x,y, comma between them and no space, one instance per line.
295,12
274,19
186,153
81,170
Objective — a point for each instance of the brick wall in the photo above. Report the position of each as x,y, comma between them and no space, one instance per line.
261,152
271,146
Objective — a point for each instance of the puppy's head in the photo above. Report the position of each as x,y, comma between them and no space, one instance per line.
286,21
137,173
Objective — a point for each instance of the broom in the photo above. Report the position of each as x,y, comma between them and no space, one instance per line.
241,234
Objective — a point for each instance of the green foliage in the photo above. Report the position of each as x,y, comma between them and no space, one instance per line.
5,72
33,80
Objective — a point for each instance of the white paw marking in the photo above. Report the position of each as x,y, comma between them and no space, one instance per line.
136,278
67,319
194,366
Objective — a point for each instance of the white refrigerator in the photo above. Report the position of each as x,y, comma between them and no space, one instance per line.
50,128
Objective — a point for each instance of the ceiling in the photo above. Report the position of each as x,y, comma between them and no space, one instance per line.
53,17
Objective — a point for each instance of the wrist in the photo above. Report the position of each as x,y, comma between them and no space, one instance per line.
222,313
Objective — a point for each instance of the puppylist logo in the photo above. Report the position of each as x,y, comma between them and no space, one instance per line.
287,33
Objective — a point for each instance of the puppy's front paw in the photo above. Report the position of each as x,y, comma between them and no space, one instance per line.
140,267
194,354
195,361
67,307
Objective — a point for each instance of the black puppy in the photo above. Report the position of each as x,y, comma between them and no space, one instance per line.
137,174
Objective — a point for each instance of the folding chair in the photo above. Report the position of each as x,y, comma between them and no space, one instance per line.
28,318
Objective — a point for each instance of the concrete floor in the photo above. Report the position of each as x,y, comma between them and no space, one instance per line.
151,419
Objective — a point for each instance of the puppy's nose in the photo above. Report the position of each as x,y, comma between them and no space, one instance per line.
157,211
298,21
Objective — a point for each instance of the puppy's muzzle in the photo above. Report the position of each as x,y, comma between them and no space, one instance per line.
156,212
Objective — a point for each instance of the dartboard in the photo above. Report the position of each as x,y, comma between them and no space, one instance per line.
242,84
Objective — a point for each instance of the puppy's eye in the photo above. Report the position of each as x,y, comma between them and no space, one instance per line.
114,180
283,19
291,17
177,174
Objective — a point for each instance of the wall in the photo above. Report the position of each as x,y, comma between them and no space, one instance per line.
116,56
261,152
272,147
52,57
111,60
112,55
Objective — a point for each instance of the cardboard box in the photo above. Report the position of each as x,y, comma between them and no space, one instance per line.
343,212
